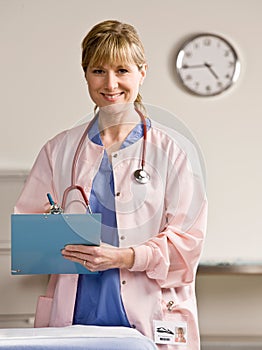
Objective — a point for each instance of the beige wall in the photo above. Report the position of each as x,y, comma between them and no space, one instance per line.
43,91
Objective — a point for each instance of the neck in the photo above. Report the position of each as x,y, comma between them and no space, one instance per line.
116,125
118,122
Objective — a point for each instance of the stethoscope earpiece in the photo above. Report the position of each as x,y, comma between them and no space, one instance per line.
141,176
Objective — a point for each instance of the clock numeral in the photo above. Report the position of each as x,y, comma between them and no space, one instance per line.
231,64
196,45
227,76
188,54
188,77
219,84
197,84
207,42
226,53
208,88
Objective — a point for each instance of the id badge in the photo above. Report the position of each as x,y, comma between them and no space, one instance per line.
170,332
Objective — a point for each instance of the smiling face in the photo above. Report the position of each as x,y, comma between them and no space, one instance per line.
114,84
114,63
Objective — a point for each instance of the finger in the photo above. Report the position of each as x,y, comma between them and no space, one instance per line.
95,258
80,248
75,255
76,259
89,266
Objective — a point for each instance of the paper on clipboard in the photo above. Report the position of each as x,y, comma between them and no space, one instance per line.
37,240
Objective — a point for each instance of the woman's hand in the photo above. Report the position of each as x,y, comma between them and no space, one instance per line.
100,258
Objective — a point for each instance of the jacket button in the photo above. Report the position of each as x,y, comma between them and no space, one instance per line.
115,155
117,194
122,238
123,282
133,326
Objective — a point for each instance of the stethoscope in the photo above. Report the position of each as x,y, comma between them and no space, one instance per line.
140,175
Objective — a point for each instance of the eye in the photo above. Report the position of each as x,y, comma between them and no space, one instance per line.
98,71
122,71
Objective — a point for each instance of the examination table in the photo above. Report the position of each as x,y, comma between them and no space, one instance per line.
74,338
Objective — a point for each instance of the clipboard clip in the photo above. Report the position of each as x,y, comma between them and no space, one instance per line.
54,207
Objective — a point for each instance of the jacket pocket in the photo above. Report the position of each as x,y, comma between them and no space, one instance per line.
180,318
178,304
43,312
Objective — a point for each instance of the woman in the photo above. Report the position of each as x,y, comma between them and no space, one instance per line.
152,232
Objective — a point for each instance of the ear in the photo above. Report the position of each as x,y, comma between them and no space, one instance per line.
143,71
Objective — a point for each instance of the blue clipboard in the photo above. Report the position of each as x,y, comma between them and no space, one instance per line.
37,240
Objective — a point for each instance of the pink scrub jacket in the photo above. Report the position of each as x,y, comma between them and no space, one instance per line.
163,220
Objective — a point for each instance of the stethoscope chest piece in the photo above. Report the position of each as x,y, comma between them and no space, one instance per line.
141,176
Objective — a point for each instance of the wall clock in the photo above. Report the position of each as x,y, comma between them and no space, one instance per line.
207,64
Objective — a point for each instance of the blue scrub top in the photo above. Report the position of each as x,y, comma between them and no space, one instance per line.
98,299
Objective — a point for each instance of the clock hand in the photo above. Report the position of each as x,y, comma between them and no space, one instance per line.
211,70
186,66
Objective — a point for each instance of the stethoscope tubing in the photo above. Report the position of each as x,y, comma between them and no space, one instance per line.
73,185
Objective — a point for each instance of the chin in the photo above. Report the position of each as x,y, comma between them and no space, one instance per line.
116,108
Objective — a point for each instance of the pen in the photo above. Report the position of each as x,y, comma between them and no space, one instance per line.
50,199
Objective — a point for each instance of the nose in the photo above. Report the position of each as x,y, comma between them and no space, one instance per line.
111,81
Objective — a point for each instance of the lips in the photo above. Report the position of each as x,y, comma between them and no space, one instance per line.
112,97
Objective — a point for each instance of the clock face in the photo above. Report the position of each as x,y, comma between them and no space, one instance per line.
207,65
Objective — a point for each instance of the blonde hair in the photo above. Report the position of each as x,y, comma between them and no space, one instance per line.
111,42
